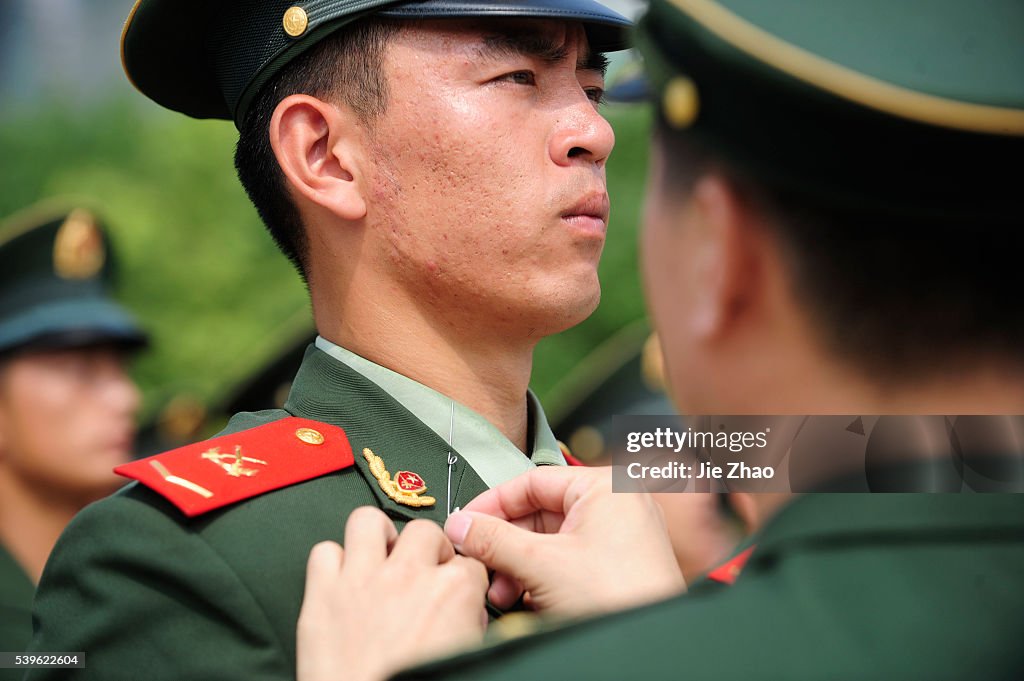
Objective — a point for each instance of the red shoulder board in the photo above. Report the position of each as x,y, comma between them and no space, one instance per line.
727,572
569,458
207,475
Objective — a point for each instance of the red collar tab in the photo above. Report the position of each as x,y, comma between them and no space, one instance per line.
569,458
727,572
207,475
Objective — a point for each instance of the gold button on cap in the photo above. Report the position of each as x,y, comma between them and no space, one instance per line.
680,102
295,21
310,436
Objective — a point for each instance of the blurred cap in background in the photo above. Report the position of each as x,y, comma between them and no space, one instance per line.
56,273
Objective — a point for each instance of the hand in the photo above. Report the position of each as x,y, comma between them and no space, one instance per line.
575,547
385,601
701,536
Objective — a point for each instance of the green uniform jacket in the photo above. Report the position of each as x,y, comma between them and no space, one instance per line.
16,591
842,586
147,593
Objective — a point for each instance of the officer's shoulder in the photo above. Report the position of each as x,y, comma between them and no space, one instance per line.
256,453
246,420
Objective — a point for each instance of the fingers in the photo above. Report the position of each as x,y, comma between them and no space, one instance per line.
368,535
466,588
322,568
422,541
367,613
504,591
551,488
496,543
472,571
325,560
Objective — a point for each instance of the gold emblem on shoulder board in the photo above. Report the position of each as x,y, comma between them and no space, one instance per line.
233,463
310,436
404,489
78,251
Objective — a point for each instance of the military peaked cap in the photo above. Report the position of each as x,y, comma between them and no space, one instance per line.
914,107
209,59
56,269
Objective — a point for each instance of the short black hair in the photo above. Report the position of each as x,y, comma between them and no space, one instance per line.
897,296
346,66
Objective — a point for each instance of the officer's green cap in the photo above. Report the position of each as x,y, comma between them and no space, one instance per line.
56,268
914,106
208,58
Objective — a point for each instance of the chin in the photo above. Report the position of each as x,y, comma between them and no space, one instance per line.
570,311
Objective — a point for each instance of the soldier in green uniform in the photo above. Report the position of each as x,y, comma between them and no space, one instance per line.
833,226
67,405
435,171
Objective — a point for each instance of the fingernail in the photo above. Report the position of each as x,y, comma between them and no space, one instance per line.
457,527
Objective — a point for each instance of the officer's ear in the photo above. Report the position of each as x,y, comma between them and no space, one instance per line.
734,261
318,146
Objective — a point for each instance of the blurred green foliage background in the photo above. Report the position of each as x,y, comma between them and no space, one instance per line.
198,268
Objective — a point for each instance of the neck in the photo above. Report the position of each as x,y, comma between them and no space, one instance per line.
971,390
802,379
777,363
30,523
489,373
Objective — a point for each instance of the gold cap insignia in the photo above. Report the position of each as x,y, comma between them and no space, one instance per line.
310,436
182,418
681,102
405,489
78,251
295,21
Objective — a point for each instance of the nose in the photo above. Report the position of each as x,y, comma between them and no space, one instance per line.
128,394
582,135
120,390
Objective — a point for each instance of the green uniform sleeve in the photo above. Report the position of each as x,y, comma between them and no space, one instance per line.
144,596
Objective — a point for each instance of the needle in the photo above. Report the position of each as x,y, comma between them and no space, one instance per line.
452,458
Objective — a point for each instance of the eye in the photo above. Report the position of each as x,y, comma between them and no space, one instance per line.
520,78
595,94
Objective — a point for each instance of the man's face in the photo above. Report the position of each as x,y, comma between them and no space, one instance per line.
489,194
67,418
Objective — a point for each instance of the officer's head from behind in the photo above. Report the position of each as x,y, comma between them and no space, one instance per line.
833,223
444,158
67,405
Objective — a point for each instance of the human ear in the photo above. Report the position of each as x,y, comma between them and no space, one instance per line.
317,146
729,258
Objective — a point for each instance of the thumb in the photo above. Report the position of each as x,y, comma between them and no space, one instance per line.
496,543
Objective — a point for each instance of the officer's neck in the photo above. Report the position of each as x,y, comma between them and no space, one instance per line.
805,380
987,389
488,375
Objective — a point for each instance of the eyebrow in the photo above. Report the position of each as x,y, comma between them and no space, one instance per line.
539,46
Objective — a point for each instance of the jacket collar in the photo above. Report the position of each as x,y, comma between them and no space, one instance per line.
327,390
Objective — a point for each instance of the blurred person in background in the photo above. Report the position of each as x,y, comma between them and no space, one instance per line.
67,403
